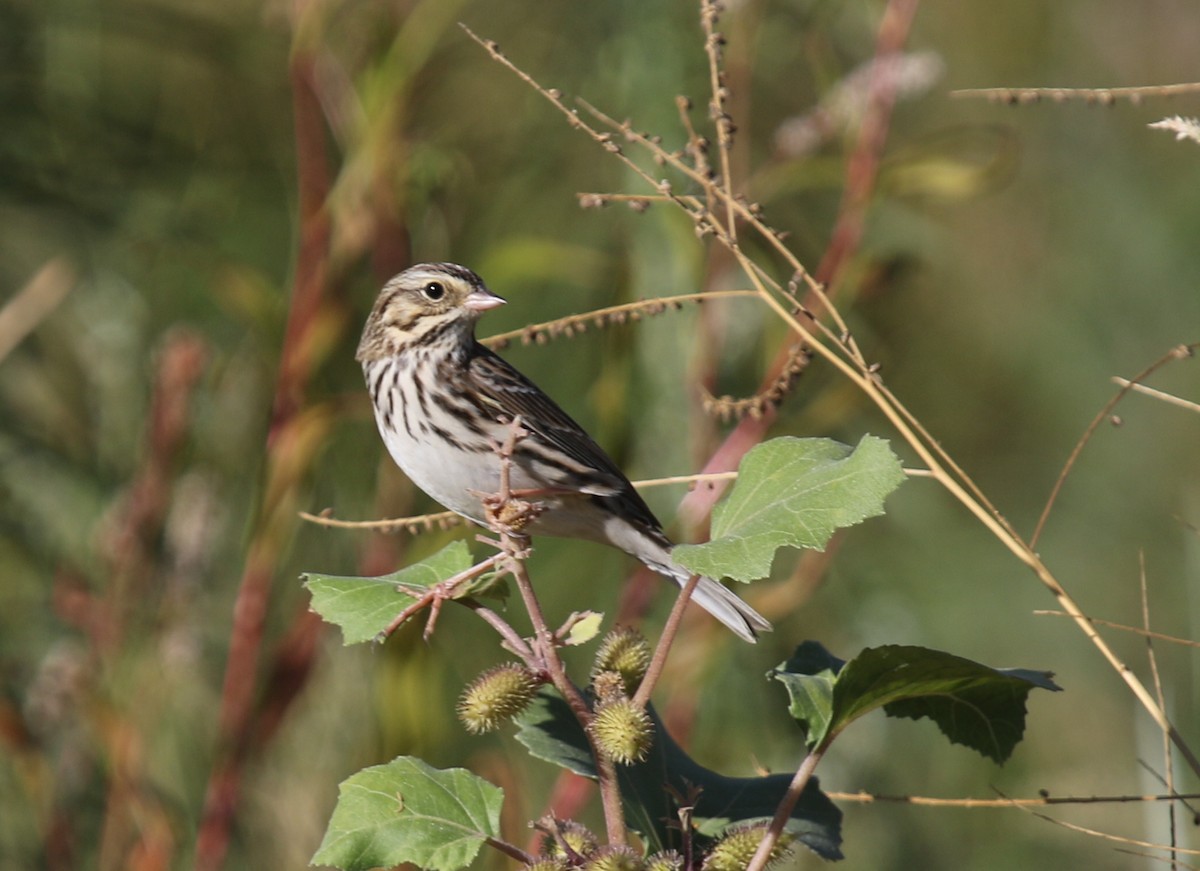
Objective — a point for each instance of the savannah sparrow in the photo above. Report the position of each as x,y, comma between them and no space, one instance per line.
443,402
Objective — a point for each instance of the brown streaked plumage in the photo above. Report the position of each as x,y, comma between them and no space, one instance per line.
443,401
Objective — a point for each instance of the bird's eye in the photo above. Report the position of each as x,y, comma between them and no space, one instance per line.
434,291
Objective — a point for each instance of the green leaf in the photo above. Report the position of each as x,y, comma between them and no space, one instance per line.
364,607
653,789
584,627
809,677
974,705
793,492
407,811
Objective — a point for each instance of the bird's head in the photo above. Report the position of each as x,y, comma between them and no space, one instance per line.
423,304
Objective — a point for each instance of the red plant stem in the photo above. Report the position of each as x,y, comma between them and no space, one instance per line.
295,367
181,363
862,170
642,697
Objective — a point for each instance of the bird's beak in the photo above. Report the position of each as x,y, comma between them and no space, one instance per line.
483,299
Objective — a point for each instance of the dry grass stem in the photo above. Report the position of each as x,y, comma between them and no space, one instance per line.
1179,352
1119,839
1170,639
980,803
418,523
1097,96
714,44
1170,398
30,305
730,408
572,325
1156,677
448,519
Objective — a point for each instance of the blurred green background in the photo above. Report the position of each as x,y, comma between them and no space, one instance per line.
155,446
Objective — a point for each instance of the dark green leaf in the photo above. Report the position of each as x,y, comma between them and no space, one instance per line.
652,790
792,492
364,607
974,705
406,811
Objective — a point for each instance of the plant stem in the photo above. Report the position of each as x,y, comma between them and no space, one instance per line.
670,628
606,774
510,850
784,812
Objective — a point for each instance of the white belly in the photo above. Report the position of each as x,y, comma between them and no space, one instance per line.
457,478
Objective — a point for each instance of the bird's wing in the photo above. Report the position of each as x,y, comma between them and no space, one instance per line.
556,441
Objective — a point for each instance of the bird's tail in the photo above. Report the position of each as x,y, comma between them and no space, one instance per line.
653,548
718,600
726,606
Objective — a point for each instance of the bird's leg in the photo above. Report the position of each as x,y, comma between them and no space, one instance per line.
505,510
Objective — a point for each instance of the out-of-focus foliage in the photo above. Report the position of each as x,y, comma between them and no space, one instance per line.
1014,260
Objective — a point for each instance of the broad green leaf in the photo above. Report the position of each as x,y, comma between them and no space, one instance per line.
652,790
364,607
407,811
792,492
974,705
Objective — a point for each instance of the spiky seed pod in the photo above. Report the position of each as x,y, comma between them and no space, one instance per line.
578,837
497,695
625,651
623,731
738,845
667,860
545,864
608,687
612,858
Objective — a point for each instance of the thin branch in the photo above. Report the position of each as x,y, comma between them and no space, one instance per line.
448,519
697,147
602,317
714,43
638,202
1179,352
510,850
1101,96
697,478
437,593
1168,764
783,813
1124,628
1095,833
654,671
419,523
768,397
1157,394
983,803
